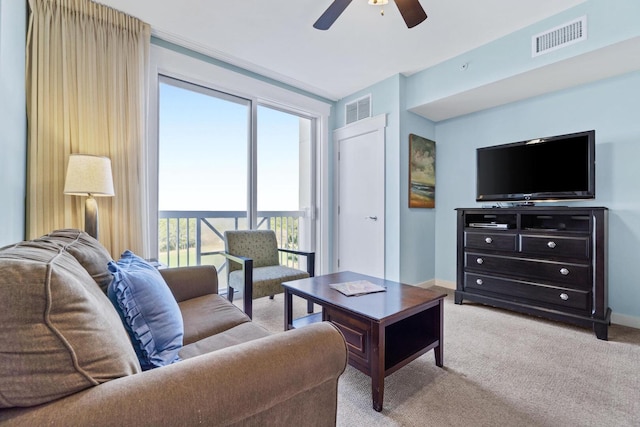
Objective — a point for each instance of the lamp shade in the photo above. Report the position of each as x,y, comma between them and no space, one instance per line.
89,175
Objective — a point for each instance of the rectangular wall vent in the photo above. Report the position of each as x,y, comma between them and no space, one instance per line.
559,37
358,109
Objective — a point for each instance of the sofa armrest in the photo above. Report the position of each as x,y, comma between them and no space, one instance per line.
290,378
191,282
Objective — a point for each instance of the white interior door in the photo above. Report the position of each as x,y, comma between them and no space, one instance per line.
361,197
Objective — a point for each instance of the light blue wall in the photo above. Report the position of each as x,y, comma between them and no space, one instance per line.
409,233
421,243
417,226
608,22
13,121
612,108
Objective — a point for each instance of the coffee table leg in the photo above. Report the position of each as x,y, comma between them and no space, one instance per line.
439,350
288,310
377,366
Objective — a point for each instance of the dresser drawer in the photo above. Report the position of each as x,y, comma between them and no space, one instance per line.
492,241
529,291
574,274
556,246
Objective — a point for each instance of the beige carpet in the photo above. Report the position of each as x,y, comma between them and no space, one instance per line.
500,369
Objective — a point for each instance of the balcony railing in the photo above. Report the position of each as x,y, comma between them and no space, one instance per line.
197,237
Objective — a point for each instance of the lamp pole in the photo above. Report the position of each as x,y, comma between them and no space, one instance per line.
91,216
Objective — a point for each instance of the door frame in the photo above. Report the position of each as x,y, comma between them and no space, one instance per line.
372,125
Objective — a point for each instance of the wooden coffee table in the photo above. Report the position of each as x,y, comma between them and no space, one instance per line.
384,331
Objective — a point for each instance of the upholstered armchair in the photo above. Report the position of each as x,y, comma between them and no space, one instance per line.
254,266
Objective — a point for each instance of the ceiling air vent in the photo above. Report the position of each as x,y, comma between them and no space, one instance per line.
358,109
559,37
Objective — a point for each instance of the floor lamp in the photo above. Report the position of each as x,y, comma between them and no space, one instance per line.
89,176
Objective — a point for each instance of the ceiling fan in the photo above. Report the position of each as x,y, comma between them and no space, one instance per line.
411,12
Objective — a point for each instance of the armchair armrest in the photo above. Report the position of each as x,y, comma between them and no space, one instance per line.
311,259
282,379
247,273
191,282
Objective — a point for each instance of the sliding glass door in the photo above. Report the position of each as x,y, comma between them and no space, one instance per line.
226,163
204,140
285,178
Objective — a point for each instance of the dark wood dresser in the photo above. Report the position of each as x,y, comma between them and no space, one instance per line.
544,261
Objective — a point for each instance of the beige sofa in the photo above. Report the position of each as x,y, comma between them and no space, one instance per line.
66,359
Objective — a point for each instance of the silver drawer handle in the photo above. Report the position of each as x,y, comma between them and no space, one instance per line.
551,244
479,281
479,260
564,271
564,296
488,240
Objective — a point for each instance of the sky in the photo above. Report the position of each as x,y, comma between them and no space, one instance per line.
203,153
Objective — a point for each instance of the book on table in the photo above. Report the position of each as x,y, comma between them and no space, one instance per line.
357,287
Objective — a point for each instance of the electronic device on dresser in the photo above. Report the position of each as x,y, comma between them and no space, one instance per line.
551,168
547,261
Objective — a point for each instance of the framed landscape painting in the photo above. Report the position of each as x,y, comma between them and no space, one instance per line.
422,172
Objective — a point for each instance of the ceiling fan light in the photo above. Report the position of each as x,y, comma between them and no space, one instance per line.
378,2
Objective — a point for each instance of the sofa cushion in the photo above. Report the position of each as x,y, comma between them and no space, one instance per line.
59,333
148,310
88,251
233,336
209,315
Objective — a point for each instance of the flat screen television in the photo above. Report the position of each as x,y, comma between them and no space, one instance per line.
543,169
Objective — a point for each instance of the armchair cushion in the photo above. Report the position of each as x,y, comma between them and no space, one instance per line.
267,280
259,245
59,333
148,310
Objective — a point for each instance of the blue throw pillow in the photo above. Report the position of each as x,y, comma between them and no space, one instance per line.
148,310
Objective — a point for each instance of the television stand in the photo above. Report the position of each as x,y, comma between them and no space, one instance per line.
548,262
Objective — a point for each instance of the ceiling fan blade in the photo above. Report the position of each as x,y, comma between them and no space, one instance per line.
411,12
331,14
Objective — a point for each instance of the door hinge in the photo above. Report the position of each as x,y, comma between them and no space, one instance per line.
338,262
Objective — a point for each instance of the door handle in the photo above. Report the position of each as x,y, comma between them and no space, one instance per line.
373,218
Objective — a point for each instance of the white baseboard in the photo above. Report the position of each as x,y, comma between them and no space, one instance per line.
437,282
445,284
625,320
427,284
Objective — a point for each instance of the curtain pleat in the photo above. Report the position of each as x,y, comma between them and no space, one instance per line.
87,83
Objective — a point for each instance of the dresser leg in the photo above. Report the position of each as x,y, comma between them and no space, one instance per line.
457,298
601,330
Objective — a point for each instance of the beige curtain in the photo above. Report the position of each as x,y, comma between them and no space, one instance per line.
87,83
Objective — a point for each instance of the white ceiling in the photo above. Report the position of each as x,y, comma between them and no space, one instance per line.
276,39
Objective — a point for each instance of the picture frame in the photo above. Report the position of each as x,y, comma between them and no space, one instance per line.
422,172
